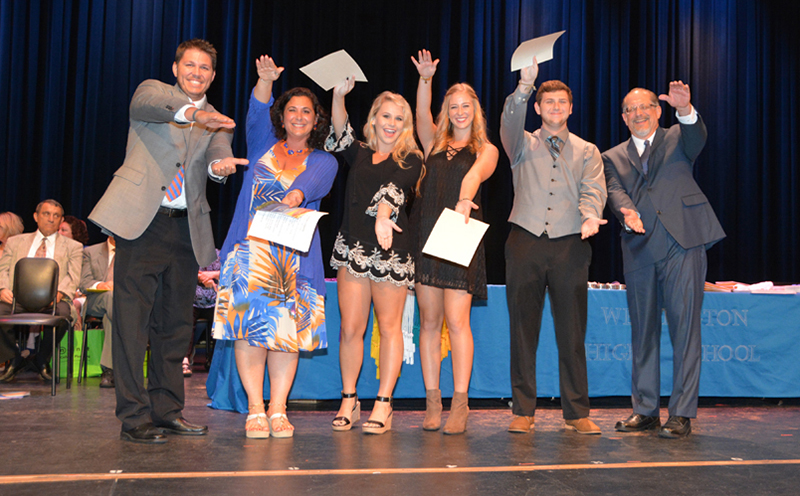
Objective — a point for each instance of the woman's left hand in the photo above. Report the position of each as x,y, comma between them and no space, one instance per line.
384,228
293,198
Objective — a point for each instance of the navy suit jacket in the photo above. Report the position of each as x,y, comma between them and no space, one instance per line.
667,198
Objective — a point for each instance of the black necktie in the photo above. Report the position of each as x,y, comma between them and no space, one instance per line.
645,156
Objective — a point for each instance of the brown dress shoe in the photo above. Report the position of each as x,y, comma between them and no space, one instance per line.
582,426
521,424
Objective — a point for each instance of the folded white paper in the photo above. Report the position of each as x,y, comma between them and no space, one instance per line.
284,225
453,240
332,69
541,48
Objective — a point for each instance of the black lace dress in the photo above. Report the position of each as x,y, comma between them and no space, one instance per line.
440,189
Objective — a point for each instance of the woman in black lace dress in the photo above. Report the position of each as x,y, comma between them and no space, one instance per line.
458,158
374,250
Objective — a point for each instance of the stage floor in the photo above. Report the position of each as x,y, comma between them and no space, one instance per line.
70,444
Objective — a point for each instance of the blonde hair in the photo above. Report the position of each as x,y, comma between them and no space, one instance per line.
405,144
10,225
444,127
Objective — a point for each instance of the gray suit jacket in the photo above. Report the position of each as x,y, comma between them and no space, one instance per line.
95,265
667,198
157,146
68,255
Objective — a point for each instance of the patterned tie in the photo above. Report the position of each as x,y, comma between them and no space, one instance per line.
645,156
176,188
554,146
42,251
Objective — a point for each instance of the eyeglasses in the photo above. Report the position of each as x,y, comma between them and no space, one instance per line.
644,107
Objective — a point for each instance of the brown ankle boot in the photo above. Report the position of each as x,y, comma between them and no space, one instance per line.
459,409
433,410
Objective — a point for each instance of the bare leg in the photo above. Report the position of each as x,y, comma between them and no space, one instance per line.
389,301
354,302
431,316
282,368
251,362
457,305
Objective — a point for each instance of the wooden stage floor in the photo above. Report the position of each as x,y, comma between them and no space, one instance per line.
70,445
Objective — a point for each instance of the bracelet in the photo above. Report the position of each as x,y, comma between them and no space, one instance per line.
425,79
465,199
531,86
194,113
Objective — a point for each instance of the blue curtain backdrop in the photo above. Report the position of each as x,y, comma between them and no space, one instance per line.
69,68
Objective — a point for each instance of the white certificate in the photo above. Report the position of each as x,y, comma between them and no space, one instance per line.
332,69
454,240
541,48
284,225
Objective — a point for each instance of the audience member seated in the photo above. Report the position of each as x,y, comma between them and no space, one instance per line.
205,297
74,228
44,243
97,282
10,225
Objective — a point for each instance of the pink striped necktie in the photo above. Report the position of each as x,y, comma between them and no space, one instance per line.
176,187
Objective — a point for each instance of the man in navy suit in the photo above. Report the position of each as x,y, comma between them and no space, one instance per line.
669,225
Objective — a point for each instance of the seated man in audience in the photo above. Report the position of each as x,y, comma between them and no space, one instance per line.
98,275
46,242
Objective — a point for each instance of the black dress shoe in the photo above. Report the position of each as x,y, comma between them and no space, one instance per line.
638,422
43,373
145,433
676,427
11,372
182,427
107,379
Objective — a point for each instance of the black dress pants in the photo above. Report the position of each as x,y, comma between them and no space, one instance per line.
154,282
561,266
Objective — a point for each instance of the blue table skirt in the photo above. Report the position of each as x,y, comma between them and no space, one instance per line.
750,349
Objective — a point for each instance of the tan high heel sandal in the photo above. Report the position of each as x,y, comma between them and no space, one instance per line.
355,415
379,427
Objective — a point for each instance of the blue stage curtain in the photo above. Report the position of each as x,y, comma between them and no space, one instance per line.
69,68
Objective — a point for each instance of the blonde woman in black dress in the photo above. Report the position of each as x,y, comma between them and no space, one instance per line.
458,158
374,250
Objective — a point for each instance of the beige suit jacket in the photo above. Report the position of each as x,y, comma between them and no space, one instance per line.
68,254
157,146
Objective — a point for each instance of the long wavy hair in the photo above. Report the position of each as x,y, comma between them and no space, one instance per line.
444,126
405,144
320,131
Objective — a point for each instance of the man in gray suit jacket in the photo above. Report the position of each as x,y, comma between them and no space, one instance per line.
97,283
669,225
45,242
156,208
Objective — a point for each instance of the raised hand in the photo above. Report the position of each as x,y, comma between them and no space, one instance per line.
680,97
344,87
425,64
267,69
527,75
632,220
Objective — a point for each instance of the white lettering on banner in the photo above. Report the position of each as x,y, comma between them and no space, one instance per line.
724,317
726,353
606,352
616,315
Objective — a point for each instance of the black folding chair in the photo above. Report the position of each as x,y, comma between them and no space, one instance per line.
35,291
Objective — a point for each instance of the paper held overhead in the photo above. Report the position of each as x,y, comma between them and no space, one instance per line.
454,240
332,69
541,48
